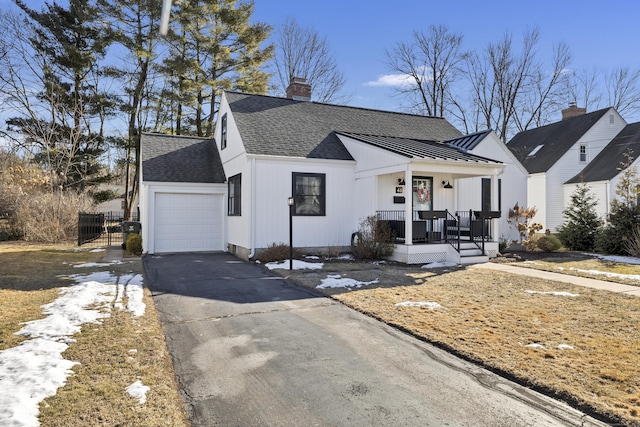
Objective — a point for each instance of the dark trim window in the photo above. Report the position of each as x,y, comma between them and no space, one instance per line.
309,192
583,153
234,197
223,131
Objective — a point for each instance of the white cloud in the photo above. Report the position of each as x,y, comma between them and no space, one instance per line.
390,80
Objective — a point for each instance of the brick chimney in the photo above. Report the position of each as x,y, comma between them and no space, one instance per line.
299,89
573,111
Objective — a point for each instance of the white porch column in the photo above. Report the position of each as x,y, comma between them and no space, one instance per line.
408,208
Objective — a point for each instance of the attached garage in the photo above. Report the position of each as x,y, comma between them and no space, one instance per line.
182,195
188,222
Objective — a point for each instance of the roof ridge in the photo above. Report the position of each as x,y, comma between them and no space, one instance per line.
177,136
592,113
336,105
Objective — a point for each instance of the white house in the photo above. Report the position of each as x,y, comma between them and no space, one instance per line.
555,153
338,164
602,174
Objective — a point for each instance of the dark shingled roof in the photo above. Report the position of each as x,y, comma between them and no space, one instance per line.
418,149
608,162
284,127
170,158
468,142
555,140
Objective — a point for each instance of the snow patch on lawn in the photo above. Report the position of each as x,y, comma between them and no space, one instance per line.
35,369
617,258
138,391
337,281
559,294
97,264
430,305
297,265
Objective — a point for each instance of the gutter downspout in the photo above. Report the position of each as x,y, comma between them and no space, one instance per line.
252,220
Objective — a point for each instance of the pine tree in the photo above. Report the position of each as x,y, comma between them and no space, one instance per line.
581,225
625,211
213,47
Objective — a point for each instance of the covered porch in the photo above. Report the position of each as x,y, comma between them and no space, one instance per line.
463,237
447,221
415,186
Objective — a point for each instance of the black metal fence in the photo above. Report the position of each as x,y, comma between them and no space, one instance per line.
101,228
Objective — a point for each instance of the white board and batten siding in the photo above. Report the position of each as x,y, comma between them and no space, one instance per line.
271,213
184,218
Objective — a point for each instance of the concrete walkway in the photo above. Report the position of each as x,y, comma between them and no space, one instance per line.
559,277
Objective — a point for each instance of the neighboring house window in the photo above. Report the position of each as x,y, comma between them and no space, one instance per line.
309,192
223,138
583,153
235,192
486,194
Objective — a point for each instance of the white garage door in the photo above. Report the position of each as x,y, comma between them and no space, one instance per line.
188,222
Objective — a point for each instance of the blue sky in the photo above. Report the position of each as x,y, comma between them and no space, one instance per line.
599,34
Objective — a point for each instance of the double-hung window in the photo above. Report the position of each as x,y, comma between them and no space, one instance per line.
309,192
234,195
583,153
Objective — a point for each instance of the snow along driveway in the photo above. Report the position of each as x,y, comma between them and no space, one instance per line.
35,369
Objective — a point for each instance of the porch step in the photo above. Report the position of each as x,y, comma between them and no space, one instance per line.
471,254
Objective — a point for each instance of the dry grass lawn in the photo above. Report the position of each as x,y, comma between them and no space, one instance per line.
112,355
493,318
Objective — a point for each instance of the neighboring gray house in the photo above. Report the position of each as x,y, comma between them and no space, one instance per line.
339,164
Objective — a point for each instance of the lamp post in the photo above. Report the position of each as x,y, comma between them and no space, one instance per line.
290,203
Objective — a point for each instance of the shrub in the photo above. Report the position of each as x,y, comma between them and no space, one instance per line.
276,252
632,244
134,244
548,243
521,218
50,217
375,239
581,224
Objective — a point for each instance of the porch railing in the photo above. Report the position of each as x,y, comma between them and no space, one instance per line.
442,226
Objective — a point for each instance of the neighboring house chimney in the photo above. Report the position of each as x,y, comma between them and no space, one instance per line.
299,90
573,111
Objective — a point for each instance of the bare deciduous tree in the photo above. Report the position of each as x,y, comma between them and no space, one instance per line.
431,63
513,91
623,90
302,52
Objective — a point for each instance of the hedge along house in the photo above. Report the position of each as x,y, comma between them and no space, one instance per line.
342,164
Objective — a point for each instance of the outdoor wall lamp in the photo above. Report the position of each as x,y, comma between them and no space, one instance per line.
446,184
290,202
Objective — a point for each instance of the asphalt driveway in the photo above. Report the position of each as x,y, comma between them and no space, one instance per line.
251,349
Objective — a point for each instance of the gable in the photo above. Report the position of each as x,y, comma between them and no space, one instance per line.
540,148
284,127
607,164
170,158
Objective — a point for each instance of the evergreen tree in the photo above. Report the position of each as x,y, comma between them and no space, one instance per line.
213,47
581,225
68,44
625,211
